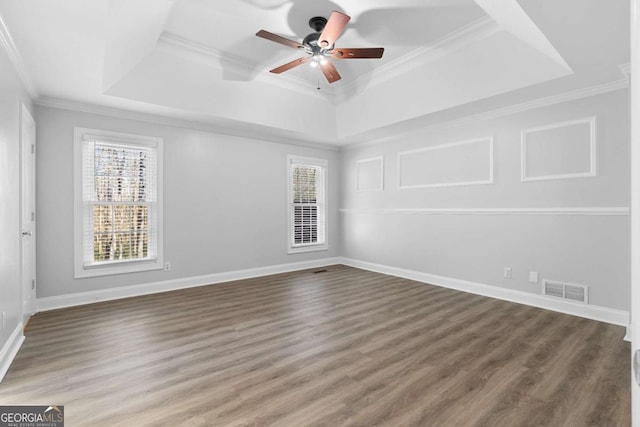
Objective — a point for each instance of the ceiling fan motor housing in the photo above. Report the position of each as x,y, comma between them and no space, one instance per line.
317,23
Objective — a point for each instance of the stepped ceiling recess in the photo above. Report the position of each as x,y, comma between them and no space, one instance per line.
199,61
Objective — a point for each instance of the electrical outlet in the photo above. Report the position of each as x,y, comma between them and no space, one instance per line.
533,276
507,272
167,266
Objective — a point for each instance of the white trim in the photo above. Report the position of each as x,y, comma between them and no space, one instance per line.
627,335
635,204
591,121
170,121
505,111
16,59
314,247
310,161
589,311
475,31
81,298
441,147
10,349
625,69
218,56
370,159
156,261
330,145
589,211
178,45
27,121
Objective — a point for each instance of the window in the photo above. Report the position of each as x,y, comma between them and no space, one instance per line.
307,204
118,203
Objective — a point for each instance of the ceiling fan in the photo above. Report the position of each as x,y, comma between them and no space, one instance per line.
320,46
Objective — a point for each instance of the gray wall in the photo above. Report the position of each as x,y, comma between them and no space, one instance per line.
225,205
218,187
12,95
592,250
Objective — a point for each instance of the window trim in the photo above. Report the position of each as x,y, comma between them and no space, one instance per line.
306,247
117,266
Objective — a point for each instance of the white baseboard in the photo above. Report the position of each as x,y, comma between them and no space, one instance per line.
627,335
10,349
81,298
594,312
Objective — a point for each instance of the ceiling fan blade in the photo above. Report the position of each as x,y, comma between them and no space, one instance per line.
290,65
278,39
348,53
330,72
335,26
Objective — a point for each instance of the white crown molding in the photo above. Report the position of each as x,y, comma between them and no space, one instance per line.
573,211
589,311
179,45
474,31
16,59
81,107
572,95
10,349
82,298
190,45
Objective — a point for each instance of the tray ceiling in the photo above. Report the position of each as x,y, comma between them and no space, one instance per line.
200,61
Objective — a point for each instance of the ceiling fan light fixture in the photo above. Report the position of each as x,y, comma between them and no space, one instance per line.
320,45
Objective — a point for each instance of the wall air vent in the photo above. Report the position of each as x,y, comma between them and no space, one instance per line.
578,293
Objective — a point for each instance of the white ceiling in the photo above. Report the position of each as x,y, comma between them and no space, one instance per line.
199,60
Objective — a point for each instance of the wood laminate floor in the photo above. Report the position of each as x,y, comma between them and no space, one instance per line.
343,347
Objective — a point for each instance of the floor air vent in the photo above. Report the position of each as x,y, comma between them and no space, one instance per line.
568,291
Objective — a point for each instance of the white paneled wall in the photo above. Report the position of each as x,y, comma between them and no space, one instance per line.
430,219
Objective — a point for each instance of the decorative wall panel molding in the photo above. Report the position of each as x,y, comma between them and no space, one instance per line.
447,165
559,150
370,174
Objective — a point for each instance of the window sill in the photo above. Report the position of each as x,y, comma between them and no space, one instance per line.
308,248
117,268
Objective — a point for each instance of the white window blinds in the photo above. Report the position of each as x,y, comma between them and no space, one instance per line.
120,207
307,203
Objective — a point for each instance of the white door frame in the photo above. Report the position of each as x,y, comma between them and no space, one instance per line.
27,214
635,206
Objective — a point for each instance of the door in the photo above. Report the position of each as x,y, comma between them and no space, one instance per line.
635,211
28,212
